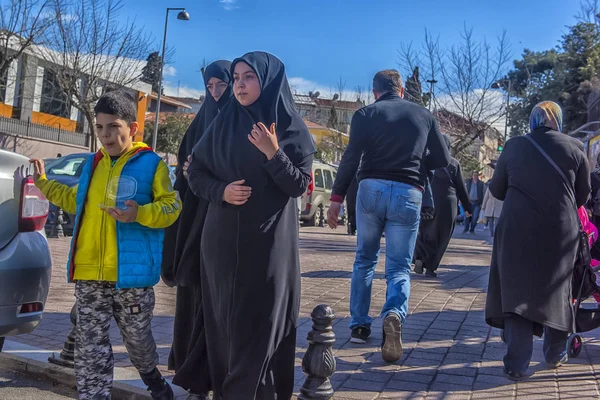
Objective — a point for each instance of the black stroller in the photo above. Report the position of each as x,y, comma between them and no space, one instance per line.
586,317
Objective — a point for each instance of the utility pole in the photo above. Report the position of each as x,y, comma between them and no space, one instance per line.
431,82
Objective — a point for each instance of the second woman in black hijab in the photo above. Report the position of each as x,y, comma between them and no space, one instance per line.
251,164
181,261
448,187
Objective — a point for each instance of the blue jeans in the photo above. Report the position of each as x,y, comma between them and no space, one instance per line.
471,222
393,208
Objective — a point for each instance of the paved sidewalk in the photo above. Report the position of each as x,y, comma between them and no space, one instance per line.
450,352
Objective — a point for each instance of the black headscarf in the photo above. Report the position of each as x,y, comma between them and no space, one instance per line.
231,128
209,110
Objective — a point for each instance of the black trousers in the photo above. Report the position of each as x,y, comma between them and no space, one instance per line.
518,333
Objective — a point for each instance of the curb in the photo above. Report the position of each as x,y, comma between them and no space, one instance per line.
65,376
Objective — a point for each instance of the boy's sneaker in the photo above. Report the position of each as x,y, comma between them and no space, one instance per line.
391,348
360,334
157,386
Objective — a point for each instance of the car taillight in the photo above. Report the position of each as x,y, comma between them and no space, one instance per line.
29,308
34,207
311,185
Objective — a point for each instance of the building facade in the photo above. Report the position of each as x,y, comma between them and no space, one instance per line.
38,119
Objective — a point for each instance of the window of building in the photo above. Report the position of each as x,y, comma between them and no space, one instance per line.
54,100
319,178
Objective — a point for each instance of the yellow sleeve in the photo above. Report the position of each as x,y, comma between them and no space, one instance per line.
58,194
165,208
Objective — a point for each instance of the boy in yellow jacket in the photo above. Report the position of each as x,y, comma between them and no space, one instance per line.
122,203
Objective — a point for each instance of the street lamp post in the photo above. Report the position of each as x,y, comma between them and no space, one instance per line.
183,16
498,85
431,82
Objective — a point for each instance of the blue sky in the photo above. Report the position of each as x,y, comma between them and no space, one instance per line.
321,40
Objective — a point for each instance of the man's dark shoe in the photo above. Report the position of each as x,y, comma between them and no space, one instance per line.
418,267
431,274
515,376
157,386
391,348
360,334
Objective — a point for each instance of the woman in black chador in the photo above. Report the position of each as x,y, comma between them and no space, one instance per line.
448,187
181,260
251,164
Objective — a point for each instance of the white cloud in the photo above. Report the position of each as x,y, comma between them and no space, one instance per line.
228,5
490,110
169,71
303,86
184,91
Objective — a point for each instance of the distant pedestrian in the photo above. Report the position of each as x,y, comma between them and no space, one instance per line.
448,187
536,241
476,190
492,209
116,248
392,136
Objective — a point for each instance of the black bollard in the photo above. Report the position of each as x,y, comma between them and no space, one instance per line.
57,226
318,362
67,355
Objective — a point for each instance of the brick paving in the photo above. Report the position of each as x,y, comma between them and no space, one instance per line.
450,353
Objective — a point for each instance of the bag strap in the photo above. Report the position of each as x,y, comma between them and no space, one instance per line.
556,168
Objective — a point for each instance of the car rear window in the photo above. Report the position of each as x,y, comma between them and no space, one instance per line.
67,167
319,178
328,180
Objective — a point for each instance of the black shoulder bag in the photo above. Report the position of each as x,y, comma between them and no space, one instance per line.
584,257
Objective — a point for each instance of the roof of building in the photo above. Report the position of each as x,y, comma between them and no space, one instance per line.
304,99
349,105
170,101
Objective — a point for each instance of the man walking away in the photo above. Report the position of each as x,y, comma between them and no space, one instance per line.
391,136
476,189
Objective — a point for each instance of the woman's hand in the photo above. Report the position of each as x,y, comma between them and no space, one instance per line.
264,140
237,194
186,165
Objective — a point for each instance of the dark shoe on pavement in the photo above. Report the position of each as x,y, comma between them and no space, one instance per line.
418,267
559,363
391,348
515,376
472,232
157,386
431,274
360,334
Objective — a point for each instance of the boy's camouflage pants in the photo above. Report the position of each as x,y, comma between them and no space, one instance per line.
97,304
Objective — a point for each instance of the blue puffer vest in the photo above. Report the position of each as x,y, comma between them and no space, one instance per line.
139,247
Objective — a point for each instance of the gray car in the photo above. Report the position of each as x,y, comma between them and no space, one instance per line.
25,264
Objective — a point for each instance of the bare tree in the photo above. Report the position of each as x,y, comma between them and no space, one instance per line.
463,74
340,88
90,51
588,12
360,93
23,23
205,63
